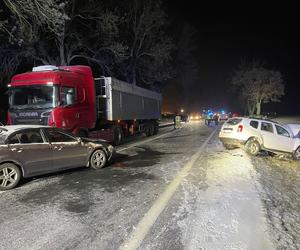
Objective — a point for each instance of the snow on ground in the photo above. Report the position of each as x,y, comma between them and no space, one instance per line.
280,194
228,212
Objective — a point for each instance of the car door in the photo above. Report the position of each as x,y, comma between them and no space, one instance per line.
284,139
68,152
30,148
267,132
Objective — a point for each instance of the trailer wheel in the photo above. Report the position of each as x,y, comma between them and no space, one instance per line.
118,135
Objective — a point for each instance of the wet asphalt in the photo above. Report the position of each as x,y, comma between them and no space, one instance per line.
99,209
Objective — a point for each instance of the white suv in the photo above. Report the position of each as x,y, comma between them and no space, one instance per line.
258,134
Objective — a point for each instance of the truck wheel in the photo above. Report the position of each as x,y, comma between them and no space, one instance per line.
118,135
98,159
10,176
151,129
252,147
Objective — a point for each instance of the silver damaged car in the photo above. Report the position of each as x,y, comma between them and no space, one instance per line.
29,150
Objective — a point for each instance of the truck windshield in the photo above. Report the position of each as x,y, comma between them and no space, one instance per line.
33,96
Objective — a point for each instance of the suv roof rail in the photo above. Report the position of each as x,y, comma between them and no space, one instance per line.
262,118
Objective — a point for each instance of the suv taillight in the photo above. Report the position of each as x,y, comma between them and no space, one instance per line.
240,128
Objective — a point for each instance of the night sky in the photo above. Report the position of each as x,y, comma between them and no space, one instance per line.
230,32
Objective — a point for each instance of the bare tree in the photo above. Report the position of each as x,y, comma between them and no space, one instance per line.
60,31
149,46
128,42
258,85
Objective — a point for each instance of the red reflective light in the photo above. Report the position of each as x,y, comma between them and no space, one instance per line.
240,128
8,119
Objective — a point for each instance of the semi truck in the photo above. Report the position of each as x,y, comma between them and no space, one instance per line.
69,97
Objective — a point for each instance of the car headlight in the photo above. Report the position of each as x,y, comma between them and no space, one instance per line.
110,148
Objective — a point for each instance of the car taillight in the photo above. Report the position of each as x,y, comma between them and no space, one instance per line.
8,118
240,128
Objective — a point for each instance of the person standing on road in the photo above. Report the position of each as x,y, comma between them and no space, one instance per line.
207,120
177,122
216,119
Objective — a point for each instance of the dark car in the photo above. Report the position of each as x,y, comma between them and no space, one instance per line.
27,151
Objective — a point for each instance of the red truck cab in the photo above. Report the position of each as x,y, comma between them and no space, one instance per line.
57,96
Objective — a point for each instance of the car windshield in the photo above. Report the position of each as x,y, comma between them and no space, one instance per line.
234,121
33,96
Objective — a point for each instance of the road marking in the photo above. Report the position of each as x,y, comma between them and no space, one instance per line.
142,142
137,236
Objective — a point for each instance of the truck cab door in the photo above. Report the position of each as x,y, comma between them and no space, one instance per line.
69,112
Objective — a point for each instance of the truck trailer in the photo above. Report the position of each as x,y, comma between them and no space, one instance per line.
69,97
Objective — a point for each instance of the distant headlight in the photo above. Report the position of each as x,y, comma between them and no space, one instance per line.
110,148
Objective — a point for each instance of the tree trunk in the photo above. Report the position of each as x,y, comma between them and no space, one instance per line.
62,54
258,108
133,76
250,107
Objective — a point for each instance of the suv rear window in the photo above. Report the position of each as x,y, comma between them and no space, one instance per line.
254,124
234,121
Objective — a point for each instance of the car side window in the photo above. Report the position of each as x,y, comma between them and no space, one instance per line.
254,124
282,131
25,137
14,140
266,126
57,136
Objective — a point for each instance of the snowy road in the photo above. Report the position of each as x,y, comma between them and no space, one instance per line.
179,190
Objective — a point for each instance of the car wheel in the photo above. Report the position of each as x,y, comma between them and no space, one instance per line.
297,154
10,176
252,147
98,159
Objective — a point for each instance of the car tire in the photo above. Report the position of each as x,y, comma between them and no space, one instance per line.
10,176
252,147
98,159
296,154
